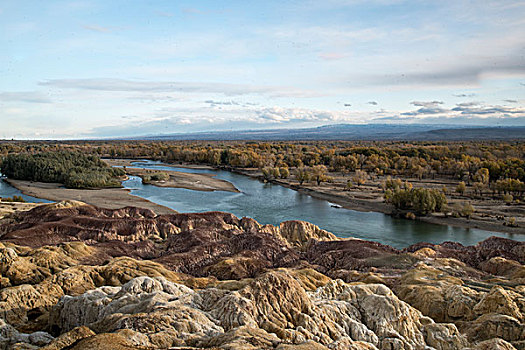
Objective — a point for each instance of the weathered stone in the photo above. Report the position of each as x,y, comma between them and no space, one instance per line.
207,280
68,339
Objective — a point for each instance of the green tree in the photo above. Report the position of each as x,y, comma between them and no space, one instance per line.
319,174
302,174
360,177
467,210
284,172
508,198
422,201
267,173
461,187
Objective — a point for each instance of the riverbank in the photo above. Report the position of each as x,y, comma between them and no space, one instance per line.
109,198
371,200
190,181
489,215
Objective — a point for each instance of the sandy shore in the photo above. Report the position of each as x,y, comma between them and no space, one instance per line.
110,198
197,182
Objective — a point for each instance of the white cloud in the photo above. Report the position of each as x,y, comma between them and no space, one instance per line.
426,104
24,96
465,110
97,28
176,86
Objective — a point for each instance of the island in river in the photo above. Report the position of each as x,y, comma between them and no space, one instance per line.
177,179
108,198
115,198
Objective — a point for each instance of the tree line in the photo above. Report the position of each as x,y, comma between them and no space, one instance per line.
73,169
491,167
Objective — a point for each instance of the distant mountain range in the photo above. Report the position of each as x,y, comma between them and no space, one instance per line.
413,132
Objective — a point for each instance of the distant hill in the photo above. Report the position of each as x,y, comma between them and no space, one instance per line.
414,132
480,133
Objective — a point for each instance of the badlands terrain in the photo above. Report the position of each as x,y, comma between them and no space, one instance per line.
74,276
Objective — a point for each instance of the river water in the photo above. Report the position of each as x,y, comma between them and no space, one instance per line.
271,204
8,191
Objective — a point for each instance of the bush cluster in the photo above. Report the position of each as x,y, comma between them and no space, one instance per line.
420,200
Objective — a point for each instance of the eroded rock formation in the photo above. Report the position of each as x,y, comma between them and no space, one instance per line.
76,277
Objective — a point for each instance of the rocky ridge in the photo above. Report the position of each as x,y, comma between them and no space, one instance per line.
75,277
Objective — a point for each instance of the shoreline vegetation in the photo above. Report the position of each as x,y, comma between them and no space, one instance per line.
366,204
117,198
72,169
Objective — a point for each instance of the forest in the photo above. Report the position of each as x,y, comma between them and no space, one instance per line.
73,169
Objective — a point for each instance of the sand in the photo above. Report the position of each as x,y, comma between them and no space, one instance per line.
197,182
110,198
114,198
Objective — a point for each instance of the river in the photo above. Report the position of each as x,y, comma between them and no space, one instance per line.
271,204
8,191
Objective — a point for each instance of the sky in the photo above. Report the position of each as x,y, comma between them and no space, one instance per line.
99,69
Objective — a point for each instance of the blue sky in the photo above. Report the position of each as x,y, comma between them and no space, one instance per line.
91,68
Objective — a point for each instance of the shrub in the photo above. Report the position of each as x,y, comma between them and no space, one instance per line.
461,188
18,199
302,174
360,177
467,210
511,222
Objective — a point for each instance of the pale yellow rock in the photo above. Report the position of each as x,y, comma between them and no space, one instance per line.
501,301
493,344
106,342
310,279
437,294
67,339
303,346
496,326
242,338
270,310
300,233
426,252
503,267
